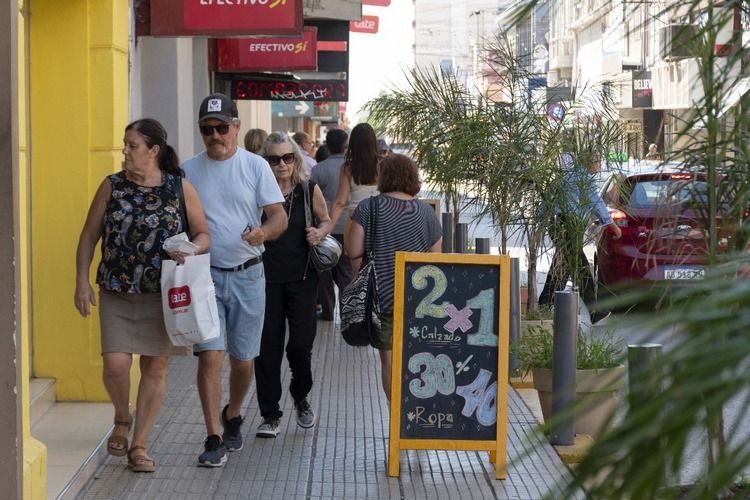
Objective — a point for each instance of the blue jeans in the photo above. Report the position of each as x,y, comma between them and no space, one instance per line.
241,300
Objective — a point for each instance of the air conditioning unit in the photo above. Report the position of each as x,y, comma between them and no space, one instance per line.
676,41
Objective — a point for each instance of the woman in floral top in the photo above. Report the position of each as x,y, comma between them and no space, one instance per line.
133,212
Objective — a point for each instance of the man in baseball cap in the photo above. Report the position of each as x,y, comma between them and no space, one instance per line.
219,126
217,106
236,188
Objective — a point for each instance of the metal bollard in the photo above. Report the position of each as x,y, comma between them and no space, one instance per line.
447,232
515,310
644,385
462,237
482,245
564,353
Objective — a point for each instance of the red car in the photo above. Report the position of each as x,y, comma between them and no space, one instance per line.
662,213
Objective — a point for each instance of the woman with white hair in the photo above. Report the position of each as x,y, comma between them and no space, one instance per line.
291,289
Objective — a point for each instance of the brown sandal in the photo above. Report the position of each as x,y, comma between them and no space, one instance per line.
118,445
140,462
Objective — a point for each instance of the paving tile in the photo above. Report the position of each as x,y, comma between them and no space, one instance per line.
343,456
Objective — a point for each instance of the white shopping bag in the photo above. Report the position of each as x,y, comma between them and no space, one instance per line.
189,301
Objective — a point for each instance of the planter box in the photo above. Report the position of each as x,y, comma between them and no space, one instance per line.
596,396
546,324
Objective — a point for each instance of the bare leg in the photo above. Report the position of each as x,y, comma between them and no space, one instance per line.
150,396
385,372
116,377
209,388
240,377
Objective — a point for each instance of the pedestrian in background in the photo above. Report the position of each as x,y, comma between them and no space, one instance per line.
322,153
291,290
236,187
653,152
254,139
403,224
308,149
358,180
581,202
327,175
133,212
383,148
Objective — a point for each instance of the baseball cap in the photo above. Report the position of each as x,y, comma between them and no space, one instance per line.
217,106
382,145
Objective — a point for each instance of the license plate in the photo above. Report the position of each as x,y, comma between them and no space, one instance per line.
684,273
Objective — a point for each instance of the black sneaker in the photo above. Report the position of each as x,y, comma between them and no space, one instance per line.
305,414
232,434
269,428
214,454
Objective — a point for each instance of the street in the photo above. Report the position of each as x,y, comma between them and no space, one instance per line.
628,331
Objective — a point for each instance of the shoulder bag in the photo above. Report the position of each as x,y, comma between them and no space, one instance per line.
183,206
325,255
360,305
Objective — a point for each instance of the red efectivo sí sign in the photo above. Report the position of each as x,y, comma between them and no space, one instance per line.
217,18
268,53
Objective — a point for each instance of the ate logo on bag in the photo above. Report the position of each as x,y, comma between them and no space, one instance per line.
179,297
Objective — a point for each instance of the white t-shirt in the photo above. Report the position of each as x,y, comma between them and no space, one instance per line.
233,193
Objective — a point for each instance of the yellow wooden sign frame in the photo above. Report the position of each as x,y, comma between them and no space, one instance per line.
496,447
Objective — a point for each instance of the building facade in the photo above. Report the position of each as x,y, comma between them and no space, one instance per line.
648,57
72,76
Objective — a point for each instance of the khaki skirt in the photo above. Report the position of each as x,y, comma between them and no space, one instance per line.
134,323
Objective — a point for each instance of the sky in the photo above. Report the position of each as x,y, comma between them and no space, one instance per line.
377,61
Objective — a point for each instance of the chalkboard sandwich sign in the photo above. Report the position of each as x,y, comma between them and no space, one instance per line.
450,355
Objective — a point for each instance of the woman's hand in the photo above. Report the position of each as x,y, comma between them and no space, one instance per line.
178,257
314,236
84,298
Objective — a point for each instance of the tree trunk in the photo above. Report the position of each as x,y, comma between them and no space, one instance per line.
535,236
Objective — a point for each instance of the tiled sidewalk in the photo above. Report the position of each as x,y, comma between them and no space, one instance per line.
343,456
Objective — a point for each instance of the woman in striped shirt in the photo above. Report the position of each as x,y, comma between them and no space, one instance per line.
403,223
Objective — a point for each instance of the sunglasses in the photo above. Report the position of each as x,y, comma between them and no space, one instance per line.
209,129
274,160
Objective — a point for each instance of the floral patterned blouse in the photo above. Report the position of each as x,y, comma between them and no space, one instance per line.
136,222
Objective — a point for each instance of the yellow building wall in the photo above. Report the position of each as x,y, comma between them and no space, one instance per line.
34,452
78,110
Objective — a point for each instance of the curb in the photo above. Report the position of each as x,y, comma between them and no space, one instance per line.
569,454
575,453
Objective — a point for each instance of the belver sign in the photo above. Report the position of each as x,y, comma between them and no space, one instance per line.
642,92
225,17
268,54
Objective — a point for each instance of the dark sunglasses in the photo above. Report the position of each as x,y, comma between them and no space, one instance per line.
209,129
274,160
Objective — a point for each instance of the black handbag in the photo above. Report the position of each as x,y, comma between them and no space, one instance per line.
326,254
360,305
183,206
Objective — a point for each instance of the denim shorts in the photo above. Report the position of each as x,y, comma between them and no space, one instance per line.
241,300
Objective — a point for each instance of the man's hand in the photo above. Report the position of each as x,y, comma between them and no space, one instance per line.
616,231
254,236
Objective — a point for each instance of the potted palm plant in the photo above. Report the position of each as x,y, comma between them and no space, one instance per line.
502,155
538,318
599,376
